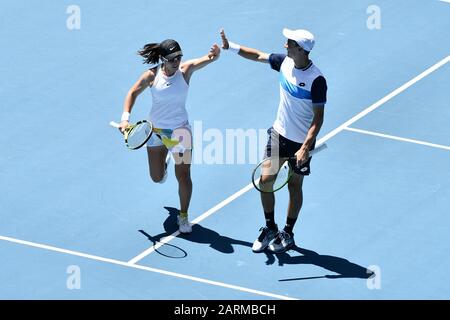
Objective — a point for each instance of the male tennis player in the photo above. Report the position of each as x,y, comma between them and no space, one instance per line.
169,84
300,116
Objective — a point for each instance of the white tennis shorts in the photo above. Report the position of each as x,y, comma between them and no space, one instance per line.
182,134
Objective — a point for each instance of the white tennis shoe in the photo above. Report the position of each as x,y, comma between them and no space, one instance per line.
183,225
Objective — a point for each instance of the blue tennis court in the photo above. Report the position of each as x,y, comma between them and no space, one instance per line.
79,214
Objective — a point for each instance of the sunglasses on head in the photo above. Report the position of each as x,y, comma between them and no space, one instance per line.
177,58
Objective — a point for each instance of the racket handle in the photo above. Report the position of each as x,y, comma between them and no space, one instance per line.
318,149
114,124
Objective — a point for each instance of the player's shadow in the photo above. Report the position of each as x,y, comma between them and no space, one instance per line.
341,266
203,235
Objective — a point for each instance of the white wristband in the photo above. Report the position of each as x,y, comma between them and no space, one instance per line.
125,116
234,47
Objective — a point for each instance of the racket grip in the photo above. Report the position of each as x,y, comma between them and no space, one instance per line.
114,124
318,149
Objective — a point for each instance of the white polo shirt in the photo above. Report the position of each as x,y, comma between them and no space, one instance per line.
300,91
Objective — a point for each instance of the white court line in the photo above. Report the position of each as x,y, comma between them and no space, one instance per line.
320,141
154,247
385,99
448,1
197,220
399,138
140,267
233,197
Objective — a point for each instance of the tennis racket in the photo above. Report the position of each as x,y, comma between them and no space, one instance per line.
272,173
136,135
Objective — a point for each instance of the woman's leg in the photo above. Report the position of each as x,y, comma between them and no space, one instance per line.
183,174
157,162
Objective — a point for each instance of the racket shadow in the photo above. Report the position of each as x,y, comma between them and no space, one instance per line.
343,267
204,235
165,249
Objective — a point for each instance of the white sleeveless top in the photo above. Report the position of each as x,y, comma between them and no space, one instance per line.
169,101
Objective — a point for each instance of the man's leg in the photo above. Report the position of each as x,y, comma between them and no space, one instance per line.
268,204
268,232
285,238
268,178
295,201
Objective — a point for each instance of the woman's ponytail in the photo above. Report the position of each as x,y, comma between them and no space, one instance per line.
151,53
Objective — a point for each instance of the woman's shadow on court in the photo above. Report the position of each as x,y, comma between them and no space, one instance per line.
343,267
200,234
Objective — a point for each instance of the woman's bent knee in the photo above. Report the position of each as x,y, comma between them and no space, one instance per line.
157,177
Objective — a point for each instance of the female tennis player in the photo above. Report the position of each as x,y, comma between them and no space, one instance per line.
169,85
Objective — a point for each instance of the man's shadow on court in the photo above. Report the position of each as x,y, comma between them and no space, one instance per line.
343,267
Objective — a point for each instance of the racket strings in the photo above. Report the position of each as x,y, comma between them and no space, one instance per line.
138,134
271,175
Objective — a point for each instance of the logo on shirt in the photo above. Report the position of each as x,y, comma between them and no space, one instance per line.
302,84
168,84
